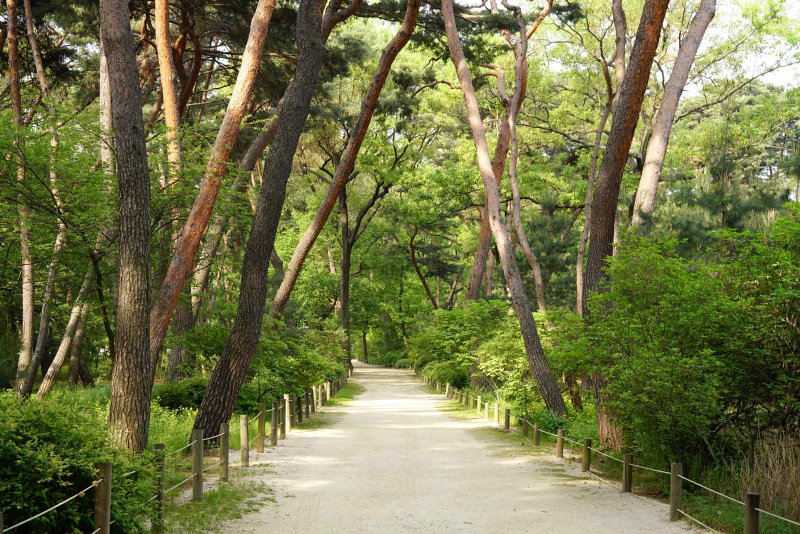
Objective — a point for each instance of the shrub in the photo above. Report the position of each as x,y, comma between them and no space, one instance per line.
404,363
49,450
451,372
181,394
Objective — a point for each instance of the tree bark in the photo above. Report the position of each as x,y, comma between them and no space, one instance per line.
169,91
26,338
74,371
481,255
412,249
179,355
200,214
131,385
546,382
348,158
66,341
657,148
229,374
629,103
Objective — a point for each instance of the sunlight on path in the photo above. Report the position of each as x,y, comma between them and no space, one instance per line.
392,462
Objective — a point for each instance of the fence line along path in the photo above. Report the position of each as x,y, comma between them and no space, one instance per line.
392,461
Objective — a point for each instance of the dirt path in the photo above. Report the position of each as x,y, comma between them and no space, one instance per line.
392,461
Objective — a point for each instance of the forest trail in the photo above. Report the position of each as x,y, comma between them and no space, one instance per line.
393,462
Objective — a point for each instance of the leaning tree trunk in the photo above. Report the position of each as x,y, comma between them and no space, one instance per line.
548,387
348,159
344,271
200,214
26,339
131,385
628,104
74,371
657,148
229,374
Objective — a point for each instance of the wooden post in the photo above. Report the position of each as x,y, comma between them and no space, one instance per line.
197,465
627,473
537,435
287,410
307,395
327,391
497,412
587,455
299,408
102,499
292,414
525,424
224,451
675,491
282,418
465,399
448,391
508,419
157,522
480,399
471,402
560,443
273,423
314,399
262,420
244,438
751,515
486,410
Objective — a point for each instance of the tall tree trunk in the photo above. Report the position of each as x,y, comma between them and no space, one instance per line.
657,148
229,374
131,385
546,382
489,274
629,104
412,249
179,356
66,341
364,352
169,91
348,158
26,338
344,271
74,371
200,214
481,255
627,107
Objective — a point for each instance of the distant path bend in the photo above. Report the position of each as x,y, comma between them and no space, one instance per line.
394,462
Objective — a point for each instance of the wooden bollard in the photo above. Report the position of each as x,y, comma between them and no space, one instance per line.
537,435
327,391
675,491
244,438
471,402
314,399
480,399
465,398
486,410
497,413
282,418
262,421
157,522
273,423
292,414
448,391
587,455
287,410
525,425
224,451
508,419
751,515
197,465
307,395
627,473
299,408
560,443
102,499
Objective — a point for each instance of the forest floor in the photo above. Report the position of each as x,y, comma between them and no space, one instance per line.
394,460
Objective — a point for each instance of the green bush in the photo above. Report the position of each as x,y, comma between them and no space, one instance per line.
390,358
49,449
403,363
451,372
181,394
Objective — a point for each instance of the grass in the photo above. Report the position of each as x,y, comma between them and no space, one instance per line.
349,392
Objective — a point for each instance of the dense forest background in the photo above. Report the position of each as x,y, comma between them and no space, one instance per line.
315,195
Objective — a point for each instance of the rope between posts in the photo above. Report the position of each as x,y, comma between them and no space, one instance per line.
62,503
213,437
651,469
182,448
601,479
181,483
604,454
213,466
254,418
548,433
129,473
711,490
572,441
778,517
696,521
252,440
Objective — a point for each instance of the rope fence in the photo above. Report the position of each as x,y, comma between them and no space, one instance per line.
284,418
751,503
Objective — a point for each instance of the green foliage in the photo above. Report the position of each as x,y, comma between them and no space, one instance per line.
451,372
49,450
181,394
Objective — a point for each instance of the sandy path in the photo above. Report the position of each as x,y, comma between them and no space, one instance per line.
393,462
